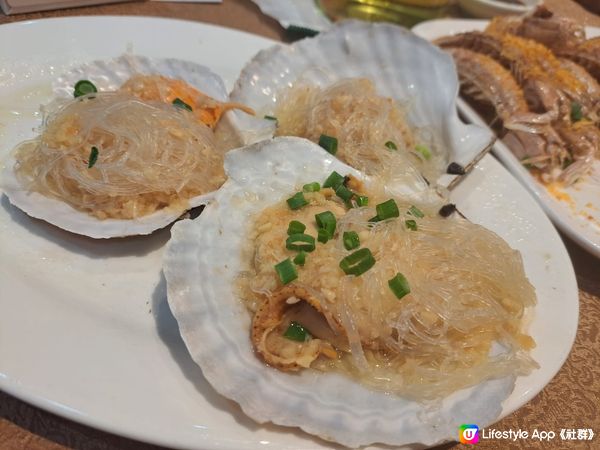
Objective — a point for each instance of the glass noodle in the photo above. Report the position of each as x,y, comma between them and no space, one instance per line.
151,155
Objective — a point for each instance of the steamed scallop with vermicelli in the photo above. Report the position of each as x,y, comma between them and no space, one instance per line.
113,155
157,87
370,132
391,294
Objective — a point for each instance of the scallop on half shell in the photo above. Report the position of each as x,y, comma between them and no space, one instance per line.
401,65
109,75
202,264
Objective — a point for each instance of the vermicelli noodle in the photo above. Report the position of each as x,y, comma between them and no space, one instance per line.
150,156
363,122
462,322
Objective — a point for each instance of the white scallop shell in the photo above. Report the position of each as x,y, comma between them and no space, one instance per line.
201,265
301,13
110,75
401,65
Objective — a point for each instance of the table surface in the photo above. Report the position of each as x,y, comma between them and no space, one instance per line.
571,400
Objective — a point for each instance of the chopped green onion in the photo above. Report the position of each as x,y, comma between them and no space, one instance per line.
391,145
329,143
413,210
297,201
326,221
358,262
273,118
399,285
84,87
387,210
93,157
300,259
296,332
333,180
351,240
362,200
322,236
181,104
411,224
424,151
299,242
286,271
375,219
295,227
311,187
576,112
344,193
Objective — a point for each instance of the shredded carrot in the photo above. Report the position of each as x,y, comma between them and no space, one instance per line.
159,88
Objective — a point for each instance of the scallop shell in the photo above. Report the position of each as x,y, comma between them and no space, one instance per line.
401,65
201,266
301,13
110,75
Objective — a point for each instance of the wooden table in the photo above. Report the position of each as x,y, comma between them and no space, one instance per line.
571,400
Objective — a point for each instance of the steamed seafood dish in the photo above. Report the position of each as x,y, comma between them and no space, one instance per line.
537,80
401,299
374,105
327,302
145,150
361,128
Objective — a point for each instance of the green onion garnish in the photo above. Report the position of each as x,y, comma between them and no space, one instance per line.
297,332
329,143
311,187
181,104
358,262
286,271
351,240
322,235
362,200
391,145
300,259
424,151
576,112
411,224
297,201
93,157
295,227
300,242
326,221
375,219
333,180
387,210
399,285
344,193
273,118
84,87
413,210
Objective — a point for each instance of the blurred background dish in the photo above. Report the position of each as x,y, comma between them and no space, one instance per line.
490,8
402,12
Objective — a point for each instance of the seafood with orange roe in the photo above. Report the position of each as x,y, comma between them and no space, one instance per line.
556,131
169,90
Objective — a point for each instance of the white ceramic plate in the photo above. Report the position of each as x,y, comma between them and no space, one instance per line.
576,209
85,330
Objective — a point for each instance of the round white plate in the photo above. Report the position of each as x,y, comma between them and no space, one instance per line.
85,330
575,209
